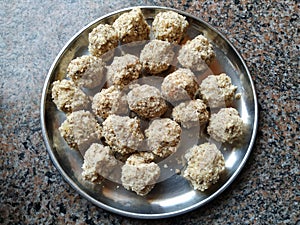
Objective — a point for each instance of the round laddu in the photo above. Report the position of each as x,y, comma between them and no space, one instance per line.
123,70
139,176
146,101
179,85
217,91
157,56
191,113
86,71
109,101
169,26
132,26
226,125
196,54
122,133
98,163
102,39
80,129
68,97
205,163
163,137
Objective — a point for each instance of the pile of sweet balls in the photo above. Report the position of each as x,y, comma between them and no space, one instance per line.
107,126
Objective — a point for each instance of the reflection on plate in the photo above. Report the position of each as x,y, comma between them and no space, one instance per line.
171,196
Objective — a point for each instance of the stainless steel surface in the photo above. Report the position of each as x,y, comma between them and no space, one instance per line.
171,196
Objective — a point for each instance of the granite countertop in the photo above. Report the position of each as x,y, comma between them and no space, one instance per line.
32,191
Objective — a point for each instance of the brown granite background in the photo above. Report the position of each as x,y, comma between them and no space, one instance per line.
266,33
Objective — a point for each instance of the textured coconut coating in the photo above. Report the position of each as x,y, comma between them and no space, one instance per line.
196,54
109,101
140,157
157,56
146,101
98,163
205,163
132,26
123,70
179,85
80,129
139,175
163,137
102,39
191,113
169,26
86,71
68,97
226,125
122,133
217,91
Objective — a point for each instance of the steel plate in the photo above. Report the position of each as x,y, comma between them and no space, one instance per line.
173,195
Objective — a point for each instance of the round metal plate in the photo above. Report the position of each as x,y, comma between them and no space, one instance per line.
174,195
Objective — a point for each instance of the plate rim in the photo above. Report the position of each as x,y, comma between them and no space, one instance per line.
70,181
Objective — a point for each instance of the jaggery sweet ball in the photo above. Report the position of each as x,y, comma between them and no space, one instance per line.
205,163
86,71
191,113
132,26
196,54
122,133
179,85
109,101
139,175
146,101
98,163
123,70
68,97
80,129
226,125
169,26
157,56
102,39
163,137
217,90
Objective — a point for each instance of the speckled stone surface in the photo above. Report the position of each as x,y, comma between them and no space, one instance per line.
267,35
